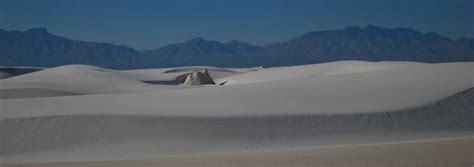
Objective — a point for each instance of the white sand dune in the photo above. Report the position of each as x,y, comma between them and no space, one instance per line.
99,136
315,70
119,116
84,80
429,153
373,91
75,79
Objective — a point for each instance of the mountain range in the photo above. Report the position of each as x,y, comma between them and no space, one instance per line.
38,47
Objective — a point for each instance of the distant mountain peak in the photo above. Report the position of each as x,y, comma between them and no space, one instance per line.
375,28
349,28
41,30
198,39
235,41
371,27
406,30
243,47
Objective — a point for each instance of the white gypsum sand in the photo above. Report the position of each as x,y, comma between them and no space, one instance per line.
84,79
428,153
116,115
109,137
372,91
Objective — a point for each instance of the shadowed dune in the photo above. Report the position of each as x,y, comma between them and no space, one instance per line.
32,93
148,136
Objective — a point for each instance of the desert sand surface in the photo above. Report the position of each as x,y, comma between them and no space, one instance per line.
119,136
407,85
87,80
456,152
84,113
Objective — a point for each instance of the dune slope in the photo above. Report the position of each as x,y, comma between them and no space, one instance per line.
85,80
371,91
120,115
85,137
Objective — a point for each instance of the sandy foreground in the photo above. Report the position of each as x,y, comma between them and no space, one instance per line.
455,152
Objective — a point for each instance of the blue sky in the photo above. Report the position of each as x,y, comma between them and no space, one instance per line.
147,24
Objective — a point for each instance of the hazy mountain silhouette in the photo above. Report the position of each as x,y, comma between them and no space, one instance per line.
371,44
199,51
37,47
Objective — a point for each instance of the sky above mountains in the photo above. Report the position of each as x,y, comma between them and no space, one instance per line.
147,24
